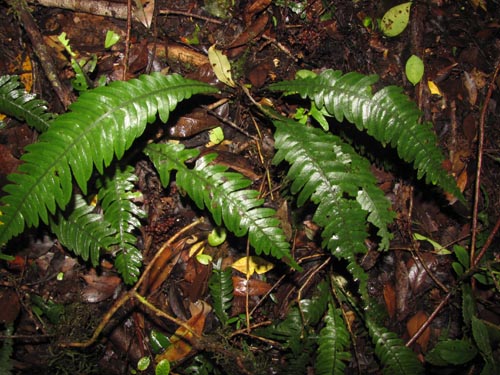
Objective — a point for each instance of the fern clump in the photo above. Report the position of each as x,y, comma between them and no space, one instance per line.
227,197
101,125
389,116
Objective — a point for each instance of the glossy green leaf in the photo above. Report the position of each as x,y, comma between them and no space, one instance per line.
102,124
158,341
388,116
217,236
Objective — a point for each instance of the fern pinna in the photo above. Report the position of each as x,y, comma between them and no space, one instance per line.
116,196
327,171
225,195
388,115
16,102
102,124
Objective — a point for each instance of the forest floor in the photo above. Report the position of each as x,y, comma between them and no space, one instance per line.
50,297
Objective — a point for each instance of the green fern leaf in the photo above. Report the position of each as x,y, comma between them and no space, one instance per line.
16,102
395,357
326,170
102,123
221,290
389,116
226,196
333,341
116,199
83,231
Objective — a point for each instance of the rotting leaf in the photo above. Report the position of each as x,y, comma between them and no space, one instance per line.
221,66
181,347
396,19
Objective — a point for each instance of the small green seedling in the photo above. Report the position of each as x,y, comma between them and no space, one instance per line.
111,39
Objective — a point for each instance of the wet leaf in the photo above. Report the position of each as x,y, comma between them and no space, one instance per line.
396,19
414,69
252,287
221,66
252,264
158,341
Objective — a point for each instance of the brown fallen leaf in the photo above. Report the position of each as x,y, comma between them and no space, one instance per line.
10,305
254,287
182,339
99,288
390,299
414,324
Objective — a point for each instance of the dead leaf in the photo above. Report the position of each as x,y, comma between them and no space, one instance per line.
10,305
221,66
193,123
144,11
99,288
390,299
253,287
417,275
252,264
255,7
255,30
182,339
414,324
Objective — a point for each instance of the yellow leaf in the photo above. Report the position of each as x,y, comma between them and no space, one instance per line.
433,88
252,264
196,248
221,66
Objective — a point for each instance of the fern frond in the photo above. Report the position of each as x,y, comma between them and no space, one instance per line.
327,171
221,290
16,102
389,116
83,231
226,196
116,199
395,357
101,124
333,341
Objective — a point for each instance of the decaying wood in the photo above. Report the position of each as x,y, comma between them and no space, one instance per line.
98,8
